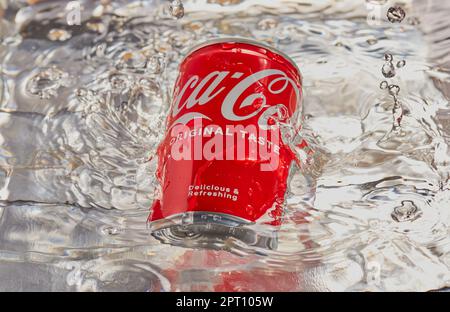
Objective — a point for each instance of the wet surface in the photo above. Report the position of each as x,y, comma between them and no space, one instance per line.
82,109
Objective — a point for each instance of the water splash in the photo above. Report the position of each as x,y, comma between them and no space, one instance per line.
366,210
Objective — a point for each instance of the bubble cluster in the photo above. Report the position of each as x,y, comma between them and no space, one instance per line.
388,69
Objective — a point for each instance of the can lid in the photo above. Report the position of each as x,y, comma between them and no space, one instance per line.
242,40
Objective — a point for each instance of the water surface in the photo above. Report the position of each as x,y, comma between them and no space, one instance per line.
82,110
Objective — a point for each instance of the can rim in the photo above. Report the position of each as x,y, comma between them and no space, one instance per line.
253,42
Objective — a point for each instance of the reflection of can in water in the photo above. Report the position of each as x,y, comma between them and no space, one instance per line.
223,165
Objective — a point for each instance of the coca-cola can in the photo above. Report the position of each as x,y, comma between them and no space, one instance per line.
224,163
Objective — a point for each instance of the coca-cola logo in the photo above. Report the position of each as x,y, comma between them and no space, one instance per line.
202,91
233,140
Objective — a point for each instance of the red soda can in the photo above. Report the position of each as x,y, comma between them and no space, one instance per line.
223,165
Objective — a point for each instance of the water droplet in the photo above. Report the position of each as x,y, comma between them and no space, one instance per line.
267,23
408,211
401,64
384,85
396,14
388,70
59,35
394,90
46,83
176,9
388,57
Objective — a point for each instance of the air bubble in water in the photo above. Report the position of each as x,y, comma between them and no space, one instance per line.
388,70
396,14
401,64
388,57
176,8
46,83
384,85
408,211
394,90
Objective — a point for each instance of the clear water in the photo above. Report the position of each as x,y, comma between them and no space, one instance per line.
82,109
